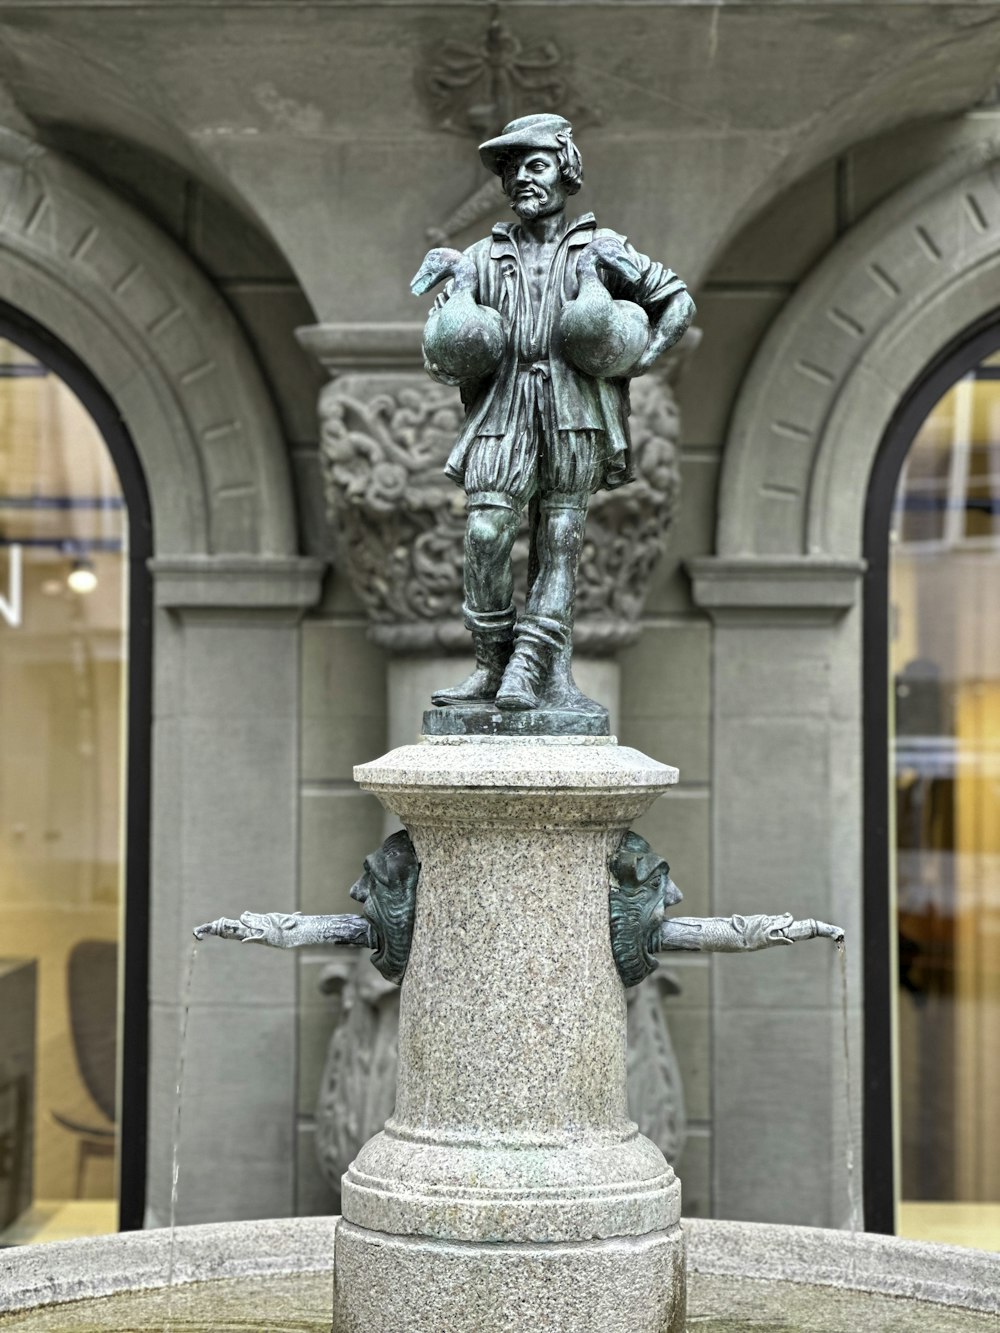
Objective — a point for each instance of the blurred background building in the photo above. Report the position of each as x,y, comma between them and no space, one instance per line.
229,572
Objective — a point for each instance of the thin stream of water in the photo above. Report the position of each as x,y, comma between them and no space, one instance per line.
853,1202
175,1169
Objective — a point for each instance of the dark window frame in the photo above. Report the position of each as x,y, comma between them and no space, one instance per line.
954,361
18,327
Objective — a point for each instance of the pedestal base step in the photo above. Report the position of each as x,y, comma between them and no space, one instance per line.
384,1284
536,1195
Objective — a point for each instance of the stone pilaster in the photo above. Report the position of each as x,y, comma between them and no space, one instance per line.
786,776
225,830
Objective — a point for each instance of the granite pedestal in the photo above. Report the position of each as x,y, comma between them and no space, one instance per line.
510,1190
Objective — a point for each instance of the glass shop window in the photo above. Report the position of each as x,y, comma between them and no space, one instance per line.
945,667
63,641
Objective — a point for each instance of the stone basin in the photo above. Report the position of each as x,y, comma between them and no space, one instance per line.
277,1276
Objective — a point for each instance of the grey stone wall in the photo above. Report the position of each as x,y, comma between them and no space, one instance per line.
788,695
674,708
667,678
291,154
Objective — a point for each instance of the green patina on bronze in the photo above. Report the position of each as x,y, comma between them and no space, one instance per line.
388,889
542,325
641,892
488,720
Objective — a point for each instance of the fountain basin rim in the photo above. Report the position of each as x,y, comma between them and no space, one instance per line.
51,1274
948,1275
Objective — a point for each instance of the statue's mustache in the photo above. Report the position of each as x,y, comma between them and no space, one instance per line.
527,202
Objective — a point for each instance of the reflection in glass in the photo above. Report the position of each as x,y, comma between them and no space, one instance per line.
62,662
945,665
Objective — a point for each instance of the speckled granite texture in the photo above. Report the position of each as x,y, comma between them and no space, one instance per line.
383,1284
35,1275
511,1120
471,764
509,1191
941,1275
511,1126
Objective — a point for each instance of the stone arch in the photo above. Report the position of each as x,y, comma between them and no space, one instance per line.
164,345
832,370
783,591
228,592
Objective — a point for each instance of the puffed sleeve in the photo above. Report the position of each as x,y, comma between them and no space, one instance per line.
656,285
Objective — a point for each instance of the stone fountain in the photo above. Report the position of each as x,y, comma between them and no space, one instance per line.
515,911
517,906
509,1190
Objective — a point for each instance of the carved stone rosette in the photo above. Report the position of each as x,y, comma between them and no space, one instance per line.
398,522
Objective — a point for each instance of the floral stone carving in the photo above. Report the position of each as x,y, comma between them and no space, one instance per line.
398,522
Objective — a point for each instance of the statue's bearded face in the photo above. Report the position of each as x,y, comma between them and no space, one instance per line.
534,185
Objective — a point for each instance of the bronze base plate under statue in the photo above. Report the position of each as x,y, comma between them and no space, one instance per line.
485,719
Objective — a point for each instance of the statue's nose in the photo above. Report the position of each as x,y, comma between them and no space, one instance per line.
359,890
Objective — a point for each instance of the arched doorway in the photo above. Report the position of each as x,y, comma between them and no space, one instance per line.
75,662
933,1034
918,273
229,589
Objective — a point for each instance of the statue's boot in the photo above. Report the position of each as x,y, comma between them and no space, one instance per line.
537,640
481,686
492,654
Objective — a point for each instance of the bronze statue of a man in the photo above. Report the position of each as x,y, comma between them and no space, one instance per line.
541,327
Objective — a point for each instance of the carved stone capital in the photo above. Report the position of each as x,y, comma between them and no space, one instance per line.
398,522
242,584
804,590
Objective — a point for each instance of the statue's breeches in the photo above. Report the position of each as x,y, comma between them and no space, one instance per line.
534,456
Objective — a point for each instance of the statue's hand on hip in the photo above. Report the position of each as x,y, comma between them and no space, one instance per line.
648,359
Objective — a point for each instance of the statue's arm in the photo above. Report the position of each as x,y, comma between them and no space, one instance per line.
741,934
666,300
292,930
669,329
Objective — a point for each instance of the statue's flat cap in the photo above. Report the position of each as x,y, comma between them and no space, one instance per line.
543,131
